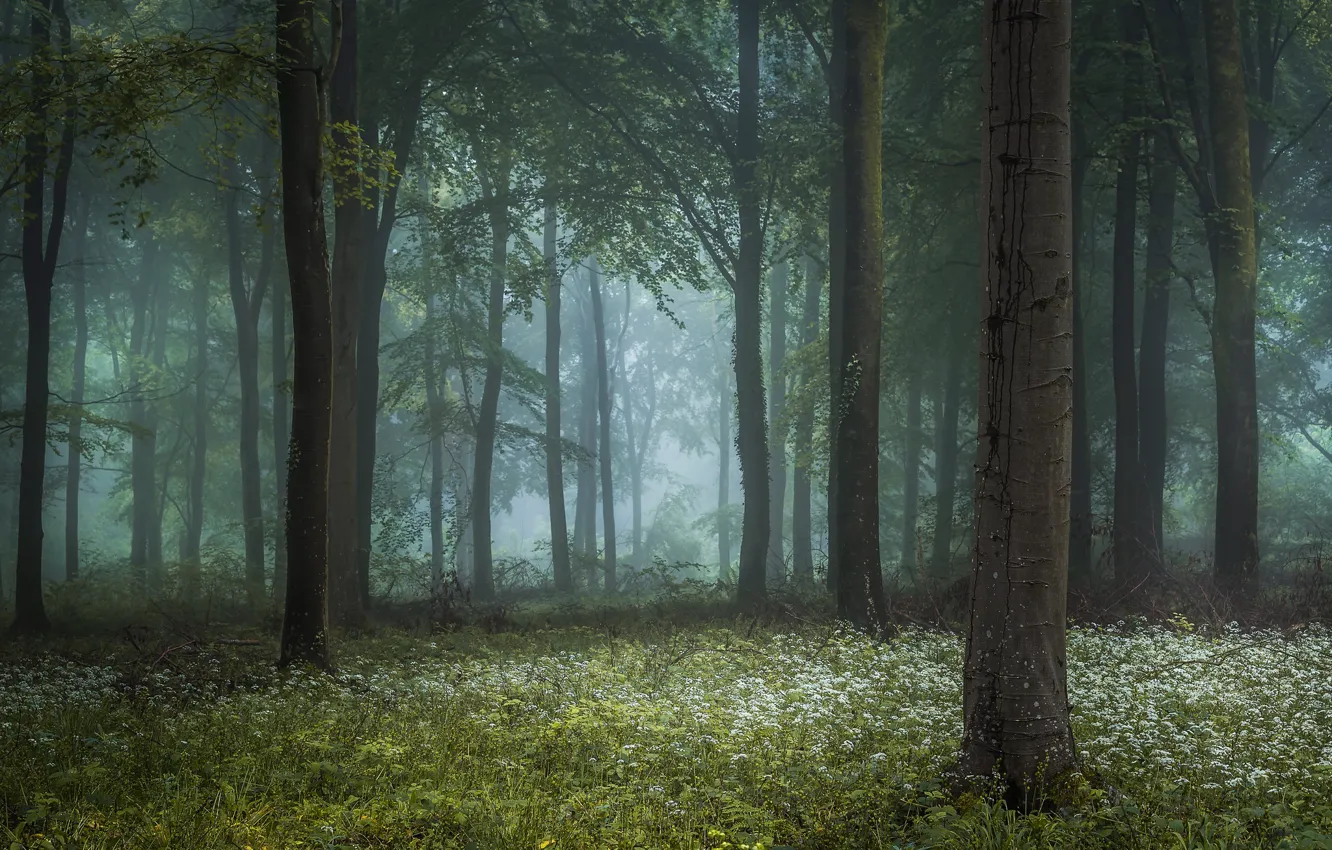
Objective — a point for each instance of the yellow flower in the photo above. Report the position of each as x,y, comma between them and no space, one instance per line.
547,843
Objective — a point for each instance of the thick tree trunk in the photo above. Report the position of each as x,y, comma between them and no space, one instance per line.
860,576
751,427
1235,270
802,537
483,575
1016,701
776,405
911,444
559,524
40,252
349,262
1129,531
74,450
946,457
604,421
836,268
1155,328
281,433
245,306
305,624
1080,496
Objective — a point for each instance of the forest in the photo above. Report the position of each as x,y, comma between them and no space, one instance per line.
746,424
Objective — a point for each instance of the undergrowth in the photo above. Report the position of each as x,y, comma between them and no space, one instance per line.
718,735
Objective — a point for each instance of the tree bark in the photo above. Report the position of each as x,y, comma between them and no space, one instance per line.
802,537
142,439
1235,270
483,568
604,419
1080,496
1129,519
946,457
74,450
751,427
860,596
157,507
199,466
559,524
837,61
585,505
1015,696
725,449
245,305
911,473
40,252
349,261
281,432
305,624
776,406
1155,329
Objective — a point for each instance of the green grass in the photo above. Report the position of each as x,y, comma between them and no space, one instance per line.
711,736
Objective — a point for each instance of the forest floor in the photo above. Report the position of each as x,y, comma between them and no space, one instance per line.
721,734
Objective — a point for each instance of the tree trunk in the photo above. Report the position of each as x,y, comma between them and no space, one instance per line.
281,434
1129,531
497,197
1152,356
911,473
39,264
559,524
585,506
946,457
305,624
141,442
1235,270
161,323
434,403
802,538
245,306
751,427
349,261
199,466
604,419
75,444
776,405
1016,701
1080,496
725,449
837,62
860,577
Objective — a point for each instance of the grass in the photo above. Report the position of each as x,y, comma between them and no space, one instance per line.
718,735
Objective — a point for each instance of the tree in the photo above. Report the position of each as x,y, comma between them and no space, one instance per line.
776,408
859,575
802,538
911,446
75,448
604,420
559,526
1015,700
305,624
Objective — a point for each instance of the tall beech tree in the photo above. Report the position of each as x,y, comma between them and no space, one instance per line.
604,427
1015,706
860,596
559,525
305,620
75,449
776,405
802,535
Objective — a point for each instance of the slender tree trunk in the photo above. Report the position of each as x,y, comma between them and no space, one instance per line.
75,447
497,196
1129,507
199,466
305,624
1155,328
751,425
860,596
245,305
281,433
39,264
434,383
911,473
1235,269
725,449
559,524
638,457
802,538
1080,495
837,62
585,506
349,262
776,406
946,457
1016,701
157,507
604,419
141,441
